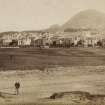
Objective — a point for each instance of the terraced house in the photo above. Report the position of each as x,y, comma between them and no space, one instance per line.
84,38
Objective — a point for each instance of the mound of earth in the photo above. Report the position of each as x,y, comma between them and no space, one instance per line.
80,97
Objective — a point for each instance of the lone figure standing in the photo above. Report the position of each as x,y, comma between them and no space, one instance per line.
17,86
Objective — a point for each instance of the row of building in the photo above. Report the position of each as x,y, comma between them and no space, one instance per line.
51,39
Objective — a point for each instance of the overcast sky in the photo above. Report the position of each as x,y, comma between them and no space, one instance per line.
38,14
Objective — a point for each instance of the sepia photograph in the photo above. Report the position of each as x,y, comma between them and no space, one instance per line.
52,52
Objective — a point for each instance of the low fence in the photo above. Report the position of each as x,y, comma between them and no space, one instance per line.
51,46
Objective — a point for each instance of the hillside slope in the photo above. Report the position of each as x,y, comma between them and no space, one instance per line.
88,19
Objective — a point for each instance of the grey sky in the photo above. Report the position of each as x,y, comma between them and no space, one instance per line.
39,14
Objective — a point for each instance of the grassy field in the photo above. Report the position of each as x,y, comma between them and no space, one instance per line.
47,71
37,86
27,59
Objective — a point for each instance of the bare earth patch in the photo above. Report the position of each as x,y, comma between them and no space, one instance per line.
37,85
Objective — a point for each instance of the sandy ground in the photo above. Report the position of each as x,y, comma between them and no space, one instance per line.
36,85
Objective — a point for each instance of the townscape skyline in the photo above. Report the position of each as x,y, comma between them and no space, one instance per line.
19,15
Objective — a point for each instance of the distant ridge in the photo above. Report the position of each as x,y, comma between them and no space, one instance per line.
22,32
88,19
53,28
84,20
